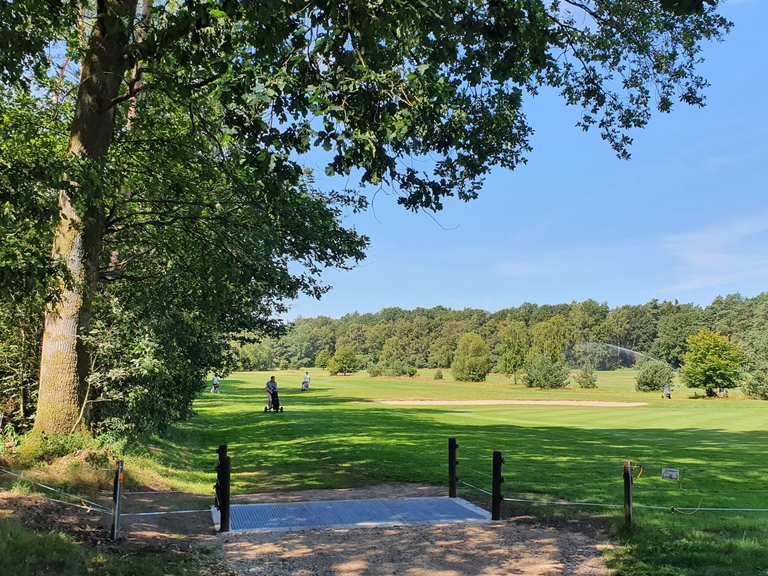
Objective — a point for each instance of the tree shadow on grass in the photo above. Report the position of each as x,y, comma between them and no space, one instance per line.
334,442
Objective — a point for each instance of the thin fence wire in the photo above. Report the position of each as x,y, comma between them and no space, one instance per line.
163,513
483,490
563,503
647,480
91,505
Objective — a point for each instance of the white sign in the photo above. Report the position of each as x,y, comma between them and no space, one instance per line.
670,474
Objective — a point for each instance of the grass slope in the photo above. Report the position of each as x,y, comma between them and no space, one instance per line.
338,436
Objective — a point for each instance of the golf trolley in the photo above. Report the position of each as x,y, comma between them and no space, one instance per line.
273,402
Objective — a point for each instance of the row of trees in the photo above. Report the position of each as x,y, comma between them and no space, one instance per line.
429,338
711,361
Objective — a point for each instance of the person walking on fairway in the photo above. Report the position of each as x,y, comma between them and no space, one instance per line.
271,388
215,384
305,383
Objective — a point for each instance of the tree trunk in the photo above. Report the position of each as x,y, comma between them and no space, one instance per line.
64,362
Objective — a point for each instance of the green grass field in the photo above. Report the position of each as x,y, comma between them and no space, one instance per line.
337,435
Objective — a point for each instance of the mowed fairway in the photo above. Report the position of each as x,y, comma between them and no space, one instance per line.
338,435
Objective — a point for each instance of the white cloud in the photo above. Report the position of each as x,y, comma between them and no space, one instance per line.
722,255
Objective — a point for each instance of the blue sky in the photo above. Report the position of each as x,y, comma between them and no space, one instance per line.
686,218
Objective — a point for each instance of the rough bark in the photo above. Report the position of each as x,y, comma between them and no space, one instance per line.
64,361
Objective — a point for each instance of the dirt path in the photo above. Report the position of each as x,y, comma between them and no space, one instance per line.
515,547
519,546
590,403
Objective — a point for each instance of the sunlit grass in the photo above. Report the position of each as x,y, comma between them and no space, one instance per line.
338,435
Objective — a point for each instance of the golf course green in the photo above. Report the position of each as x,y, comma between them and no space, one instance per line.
342,433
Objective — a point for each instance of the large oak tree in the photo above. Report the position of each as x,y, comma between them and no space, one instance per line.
245,89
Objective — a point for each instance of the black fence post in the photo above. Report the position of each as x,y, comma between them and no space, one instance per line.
452,462
628,493
223,472
496,480
117,494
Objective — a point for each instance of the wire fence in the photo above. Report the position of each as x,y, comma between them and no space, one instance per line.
91,506
84,503
680,488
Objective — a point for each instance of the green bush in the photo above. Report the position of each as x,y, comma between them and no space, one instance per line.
653,376
586,377
472,360
542,371
344,361
755,385
374,371
438,374
38,446
411,371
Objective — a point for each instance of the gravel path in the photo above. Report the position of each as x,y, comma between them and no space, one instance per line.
592,403
518,546
449,550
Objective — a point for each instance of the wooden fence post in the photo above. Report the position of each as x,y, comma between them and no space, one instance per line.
117,494
223,472
452,462
496,480
628,493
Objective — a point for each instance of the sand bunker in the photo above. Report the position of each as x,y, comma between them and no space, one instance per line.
590,403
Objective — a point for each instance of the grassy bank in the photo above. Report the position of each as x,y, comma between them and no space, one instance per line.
338,435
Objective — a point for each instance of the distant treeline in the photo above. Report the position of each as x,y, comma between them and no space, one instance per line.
428,336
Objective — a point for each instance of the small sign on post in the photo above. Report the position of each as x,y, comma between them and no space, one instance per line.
670,474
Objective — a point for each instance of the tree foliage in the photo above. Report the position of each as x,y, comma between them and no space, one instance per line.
322,358
169,174
672,334
344,361
585,377
514,342
472,361
653,376
552,337
755,384
712,362
543,371
394,359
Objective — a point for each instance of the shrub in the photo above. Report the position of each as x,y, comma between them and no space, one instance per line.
438,374
39,446
374,370
344,361
472,360
755,385
411,372
586,377
653,376
544,372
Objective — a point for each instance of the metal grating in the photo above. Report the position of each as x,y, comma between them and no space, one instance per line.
285,516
